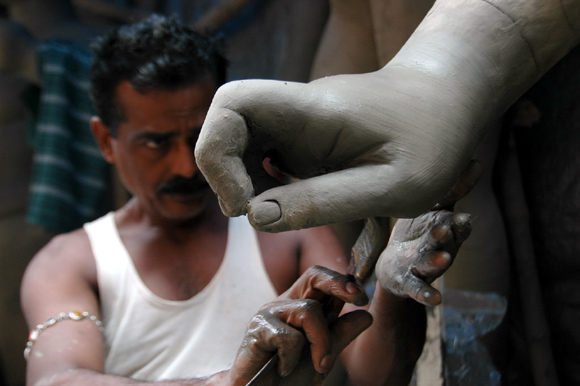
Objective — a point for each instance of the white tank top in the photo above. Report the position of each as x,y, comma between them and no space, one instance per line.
150,338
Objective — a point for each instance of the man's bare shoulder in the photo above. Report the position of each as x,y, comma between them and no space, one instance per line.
60,278
69,253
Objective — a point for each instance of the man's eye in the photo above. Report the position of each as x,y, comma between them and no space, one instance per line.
155,143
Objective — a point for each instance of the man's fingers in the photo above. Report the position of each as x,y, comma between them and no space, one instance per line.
440,237
319,283
307,316
347,328
343,331
432,266
461,224
310,318
267,333
283,327
420,291
448,235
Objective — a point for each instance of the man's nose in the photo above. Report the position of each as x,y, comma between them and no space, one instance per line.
183,161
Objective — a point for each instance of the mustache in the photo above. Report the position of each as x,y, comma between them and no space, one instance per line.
181,185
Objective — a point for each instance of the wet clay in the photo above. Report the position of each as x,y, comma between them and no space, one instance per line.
389,142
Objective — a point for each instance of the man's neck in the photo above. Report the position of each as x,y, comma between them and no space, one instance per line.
211,219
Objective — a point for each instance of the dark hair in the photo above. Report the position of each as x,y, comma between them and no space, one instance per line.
156,53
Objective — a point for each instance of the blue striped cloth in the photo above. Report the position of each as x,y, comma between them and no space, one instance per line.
70,176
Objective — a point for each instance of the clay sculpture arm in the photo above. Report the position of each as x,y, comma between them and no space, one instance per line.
386,143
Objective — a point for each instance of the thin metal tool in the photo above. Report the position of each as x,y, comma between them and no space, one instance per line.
265,371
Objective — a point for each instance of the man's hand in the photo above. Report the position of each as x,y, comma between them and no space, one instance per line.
296,328
419,251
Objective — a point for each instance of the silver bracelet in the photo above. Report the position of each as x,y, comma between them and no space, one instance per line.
71,315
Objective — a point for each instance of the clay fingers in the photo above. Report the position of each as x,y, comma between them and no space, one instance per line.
417,289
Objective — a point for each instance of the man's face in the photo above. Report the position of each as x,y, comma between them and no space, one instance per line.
154,149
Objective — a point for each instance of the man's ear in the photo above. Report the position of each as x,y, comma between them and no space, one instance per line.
104,139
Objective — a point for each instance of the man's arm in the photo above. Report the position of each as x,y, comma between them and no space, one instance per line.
62,278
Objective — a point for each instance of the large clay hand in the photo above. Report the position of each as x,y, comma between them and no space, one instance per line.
378,144
296,328
389,143
419,251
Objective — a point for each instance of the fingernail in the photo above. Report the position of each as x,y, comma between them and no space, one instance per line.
352,288
462,221
431,298
266,213
326,364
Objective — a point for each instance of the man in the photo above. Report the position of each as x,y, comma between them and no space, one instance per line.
173,280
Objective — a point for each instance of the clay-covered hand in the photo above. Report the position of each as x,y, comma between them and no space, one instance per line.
378,144
419,251
296,328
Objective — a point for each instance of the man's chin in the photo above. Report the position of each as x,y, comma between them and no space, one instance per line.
185,207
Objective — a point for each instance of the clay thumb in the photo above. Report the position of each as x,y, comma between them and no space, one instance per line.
326,199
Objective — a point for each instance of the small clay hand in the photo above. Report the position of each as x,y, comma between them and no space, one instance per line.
295,327
419,251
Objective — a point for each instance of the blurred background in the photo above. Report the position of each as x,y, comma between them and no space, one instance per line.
52,177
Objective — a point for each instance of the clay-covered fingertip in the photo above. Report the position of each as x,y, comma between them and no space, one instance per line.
437,207
231,211
462,220
431,298
266,213
462,226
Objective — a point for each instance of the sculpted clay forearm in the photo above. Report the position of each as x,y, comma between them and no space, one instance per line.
385,143
486,53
